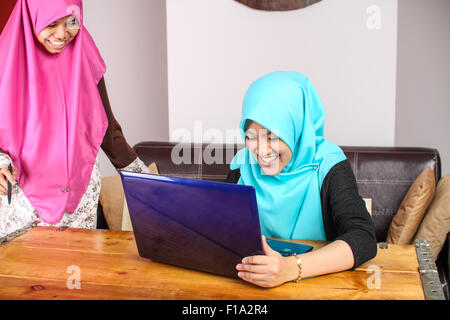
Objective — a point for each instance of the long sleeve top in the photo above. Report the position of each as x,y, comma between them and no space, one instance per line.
345,216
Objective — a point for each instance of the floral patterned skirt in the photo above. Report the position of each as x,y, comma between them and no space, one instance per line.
21,213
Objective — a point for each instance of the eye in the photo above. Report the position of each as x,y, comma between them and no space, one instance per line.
250,138
73,23
273,138
51,25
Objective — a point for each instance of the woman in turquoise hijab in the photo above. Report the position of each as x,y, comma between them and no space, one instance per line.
304,184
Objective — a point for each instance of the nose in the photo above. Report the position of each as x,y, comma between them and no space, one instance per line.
61,32
264,146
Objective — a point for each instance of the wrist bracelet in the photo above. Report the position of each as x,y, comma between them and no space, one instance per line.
300,269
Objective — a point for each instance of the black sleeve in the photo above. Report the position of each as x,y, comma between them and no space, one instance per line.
345,214
233,176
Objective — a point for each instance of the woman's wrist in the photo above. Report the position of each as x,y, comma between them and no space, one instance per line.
136,166
292,267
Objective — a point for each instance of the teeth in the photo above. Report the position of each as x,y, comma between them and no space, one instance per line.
57,43
269,159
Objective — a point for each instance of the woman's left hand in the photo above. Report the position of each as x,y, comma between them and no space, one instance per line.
268,271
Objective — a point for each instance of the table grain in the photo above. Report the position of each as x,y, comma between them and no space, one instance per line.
45,264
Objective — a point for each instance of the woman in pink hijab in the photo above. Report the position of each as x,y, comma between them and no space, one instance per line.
55,116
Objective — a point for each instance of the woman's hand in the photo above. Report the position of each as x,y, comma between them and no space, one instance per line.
268,271
6,176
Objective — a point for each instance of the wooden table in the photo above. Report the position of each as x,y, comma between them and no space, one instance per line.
44,263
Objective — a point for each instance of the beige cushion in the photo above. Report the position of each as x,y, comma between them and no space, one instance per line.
436,223
412,209
368,203
126,220
112,199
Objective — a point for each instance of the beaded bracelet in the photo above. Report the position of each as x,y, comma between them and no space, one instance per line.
300,269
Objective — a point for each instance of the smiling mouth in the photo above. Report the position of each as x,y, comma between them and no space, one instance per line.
268,161
56,45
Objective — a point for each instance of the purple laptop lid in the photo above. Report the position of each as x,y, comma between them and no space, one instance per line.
201,225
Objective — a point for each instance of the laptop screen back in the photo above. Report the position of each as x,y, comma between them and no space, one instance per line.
201,225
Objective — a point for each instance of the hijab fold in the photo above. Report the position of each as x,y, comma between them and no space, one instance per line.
289,204
52,117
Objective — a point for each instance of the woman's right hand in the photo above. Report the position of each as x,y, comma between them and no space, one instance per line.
6,176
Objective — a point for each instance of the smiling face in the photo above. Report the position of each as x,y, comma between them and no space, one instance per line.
56,36
269,150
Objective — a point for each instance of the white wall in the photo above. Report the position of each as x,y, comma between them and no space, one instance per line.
199,70
423,99
217,48
131,36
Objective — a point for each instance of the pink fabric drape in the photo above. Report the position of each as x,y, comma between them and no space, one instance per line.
52,120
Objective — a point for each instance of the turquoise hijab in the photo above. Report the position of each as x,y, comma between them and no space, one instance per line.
289,203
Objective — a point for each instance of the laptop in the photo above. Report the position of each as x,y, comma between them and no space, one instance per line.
195,224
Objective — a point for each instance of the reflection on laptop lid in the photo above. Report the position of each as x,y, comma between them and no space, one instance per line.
201,225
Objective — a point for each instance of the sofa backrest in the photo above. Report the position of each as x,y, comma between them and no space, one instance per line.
383,174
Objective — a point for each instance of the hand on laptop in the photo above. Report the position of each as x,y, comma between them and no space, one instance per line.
268,271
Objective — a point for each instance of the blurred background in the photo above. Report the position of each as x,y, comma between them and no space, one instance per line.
381,67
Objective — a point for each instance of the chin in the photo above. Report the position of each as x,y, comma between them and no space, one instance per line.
270,171
51,50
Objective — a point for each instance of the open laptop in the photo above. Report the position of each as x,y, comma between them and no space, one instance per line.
201,225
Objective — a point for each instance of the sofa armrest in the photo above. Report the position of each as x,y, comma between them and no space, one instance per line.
442,264
448,254
101,220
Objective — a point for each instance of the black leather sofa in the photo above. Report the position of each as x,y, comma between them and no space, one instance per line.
383,174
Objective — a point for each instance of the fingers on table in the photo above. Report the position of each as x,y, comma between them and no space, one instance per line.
5,173
5,177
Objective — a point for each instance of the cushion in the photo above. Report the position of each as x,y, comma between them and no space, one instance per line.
126,220
368,202
112,199
436,223
406,221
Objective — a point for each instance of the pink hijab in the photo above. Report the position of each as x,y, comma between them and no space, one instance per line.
52,120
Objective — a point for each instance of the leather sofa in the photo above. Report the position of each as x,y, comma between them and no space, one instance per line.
383,174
